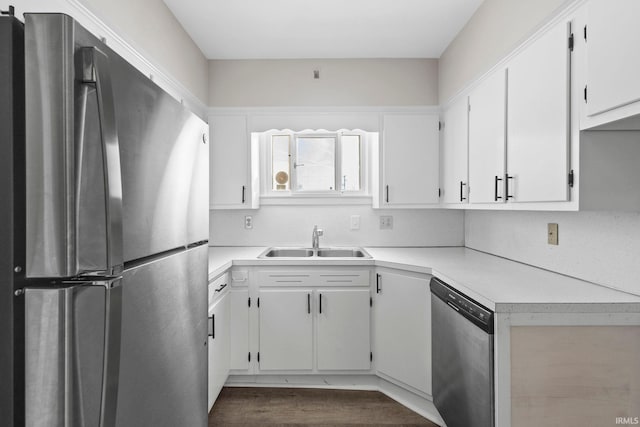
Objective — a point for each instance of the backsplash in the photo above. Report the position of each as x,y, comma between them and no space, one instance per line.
600,247
292,226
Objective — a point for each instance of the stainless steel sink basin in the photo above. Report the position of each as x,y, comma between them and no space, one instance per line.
308,253
287,253
342,253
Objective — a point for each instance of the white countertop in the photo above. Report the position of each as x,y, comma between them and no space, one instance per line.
498,283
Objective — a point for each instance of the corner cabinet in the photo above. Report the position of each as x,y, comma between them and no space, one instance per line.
402,316
410,160
538,119
230,158
455,182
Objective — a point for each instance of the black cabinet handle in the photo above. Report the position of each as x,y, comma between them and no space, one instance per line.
387,194
221,288
506,190
378,284
320,300
462,184
495,189
243,189
308,303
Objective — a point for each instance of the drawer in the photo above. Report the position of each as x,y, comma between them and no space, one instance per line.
344,278
285,278
217,287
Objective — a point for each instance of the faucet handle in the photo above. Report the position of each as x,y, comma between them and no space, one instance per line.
320,232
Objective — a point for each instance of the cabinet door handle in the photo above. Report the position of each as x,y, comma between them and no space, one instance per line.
506,188
243,191
308,303
221,288
462,184
495,189
387,198
378,288
320,301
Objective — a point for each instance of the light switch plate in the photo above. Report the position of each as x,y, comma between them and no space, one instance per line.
355,222
552,233
386,222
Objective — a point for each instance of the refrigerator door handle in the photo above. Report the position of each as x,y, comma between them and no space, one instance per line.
95,73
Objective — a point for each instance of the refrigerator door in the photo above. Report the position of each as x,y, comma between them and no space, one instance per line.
163,369
83,101
72,354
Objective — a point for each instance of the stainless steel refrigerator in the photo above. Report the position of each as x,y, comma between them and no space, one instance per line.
103,285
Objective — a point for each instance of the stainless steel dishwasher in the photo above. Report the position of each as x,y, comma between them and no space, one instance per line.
462,358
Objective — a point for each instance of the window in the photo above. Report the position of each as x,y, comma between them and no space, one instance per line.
314,163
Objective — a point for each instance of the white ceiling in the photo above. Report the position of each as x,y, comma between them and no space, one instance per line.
270,29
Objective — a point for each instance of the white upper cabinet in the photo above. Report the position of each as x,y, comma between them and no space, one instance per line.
487,131
410,177
613,61
229,160
538,119
454,153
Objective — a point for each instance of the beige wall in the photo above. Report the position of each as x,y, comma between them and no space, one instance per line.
150,27
343,82
492,32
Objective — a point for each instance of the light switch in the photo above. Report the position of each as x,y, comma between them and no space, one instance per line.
552,233
386,222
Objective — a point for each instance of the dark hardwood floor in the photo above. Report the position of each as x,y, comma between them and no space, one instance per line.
237,406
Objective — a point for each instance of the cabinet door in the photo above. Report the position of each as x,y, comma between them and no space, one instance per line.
410,160
487,131
286,329
613,63
538,120
219,349
239,329
454,153
229,162
402,312
343,329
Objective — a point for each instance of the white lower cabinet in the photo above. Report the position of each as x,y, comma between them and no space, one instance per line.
218,343
314,320
239,306
286,329
402,316
343,329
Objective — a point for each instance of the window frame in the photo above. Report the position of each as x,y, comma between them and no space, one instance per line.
266,149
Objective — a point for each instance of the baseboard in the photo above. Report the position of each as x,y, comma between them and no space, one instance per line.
419,404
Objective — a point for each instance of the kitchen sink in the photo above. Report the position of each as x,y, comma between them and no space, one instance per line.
287,253
342,253
308,253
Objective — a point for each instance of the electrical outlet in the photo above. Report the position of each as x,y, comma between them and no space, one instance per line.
248,222
386,222
552,234
355,222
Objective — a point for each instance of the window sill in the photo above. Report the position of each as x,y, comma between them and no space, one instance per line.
316,200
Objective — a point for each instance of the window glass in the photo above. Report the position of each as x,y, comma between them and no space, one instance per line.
281,175
350,156
315,163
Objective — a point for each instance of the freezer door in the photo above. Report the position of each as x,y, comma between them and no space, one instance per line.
72,354
111,157
163,369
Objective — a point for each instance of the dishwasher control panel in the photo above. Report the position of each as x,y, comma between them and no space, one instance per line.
467,307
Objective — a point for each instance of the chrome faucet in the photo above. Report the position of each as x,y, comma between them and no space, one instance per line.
315,237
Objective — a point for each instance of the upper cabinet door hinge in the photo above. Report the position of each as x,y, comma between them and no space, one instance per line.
571,42
585,33
571,178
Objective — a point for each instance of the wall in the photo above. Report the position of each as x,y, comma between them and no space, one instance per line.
292,226
153,30
601,247
343,82
492,32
